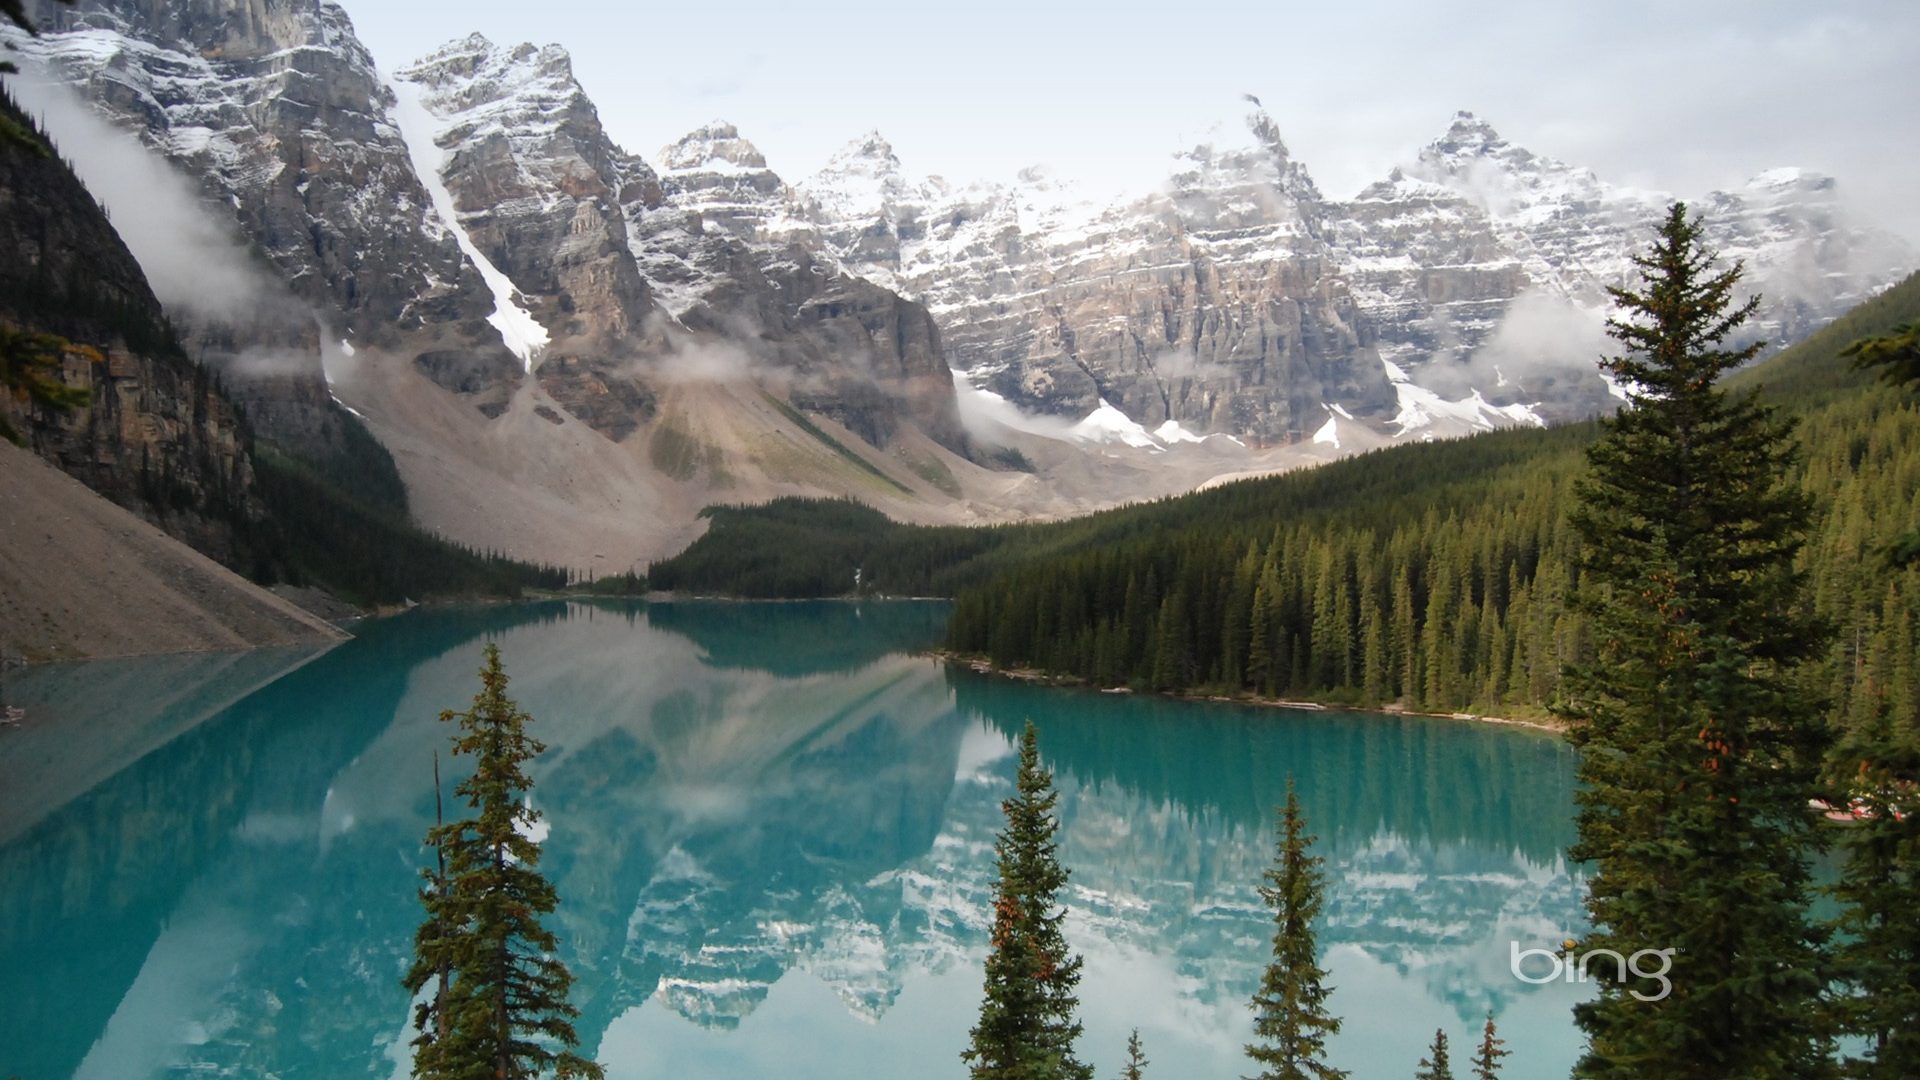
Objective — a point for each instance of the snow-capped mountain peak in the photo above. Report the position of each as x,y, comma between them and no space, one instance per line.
717,145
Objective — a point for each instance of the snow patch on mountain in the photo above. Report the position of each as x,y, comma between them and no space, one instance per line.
1107,424
519,330
1171,432
1329,433
1423,409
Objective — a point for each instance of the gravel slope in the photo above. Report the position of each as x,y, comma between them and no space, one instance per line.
81,578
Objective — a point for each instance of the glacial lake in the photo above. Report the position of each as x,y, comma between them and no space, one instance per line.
771,831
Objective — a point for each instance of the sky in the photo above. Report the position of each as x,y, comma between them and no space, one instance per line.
1683,96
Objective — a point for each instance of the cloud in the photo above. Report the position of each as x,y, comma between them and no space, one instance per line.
194,260
1542,337
988,417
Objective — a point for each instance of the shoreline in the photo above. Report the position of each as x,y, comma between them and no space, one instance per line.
980,666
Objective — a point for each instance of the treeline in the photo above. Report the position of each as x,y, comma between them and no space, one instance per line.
793,548
1438,576
798,548
318,534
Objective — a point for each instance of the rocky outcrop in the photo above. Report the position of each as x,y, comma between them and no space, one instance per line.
277,113
590,236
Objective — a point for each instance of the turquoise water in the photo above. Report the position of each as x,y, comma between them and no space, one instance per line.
771,832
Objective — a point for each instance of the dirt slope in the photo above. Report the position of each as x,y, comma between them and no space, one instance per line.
80,577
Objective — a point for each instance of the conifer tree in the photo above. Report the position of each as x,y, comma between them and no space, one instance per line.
1027,1026
1699,743
1878,764
1136,1067
1486,1062
500,1005
1435,1065
1896,354
1291,1020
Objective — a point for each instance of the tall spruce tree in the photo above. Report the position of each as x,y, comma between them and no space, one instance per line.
1136,1066
1290,1017
1435,1065
1486,1061
1699,744
1027,1026
499,1008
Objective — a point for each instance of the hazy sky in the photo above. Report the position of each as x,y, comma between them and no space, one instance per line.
1678,95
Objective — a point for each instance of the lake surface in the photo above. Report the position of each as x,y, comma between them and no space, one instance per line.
771,831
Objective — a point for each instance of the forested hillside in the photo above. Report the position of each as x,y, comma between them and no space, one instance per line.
1432,574
1449,594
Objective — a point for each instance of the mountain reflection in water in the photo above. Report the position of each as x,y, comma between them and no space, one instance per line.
771,832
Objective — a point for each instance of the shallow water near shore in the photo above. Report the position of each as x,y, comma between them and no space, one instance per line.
771,830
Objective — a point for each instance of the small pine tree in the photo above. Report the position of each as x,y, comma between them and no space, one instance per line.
1486,1063
1137,1062
1291,1019
500,1003
1027,1027
1435,1065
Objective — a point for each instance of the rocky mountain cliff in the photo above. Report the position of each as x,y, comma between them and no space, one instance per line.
1213,303
278,110
1238,298
155,435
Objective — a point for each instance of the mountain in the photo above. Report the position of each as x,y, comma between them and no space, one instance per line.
459,241
1572,235
1209,303
278,111
1238,298
569,349
155,434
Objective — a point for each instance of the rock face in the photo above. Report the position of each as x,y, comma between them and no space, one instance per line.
277,112
278,108
536,184
732,260
156,435
1237,298
590,236
1214,303
1573,233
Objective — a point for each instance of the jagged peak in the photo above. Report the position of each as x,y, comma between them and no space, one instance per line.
1468,133
1790,177
717,141
1247,149
476,53
473,46
870,144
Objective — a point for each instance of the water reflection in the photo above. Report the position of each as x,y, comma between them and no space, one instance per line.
772,832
